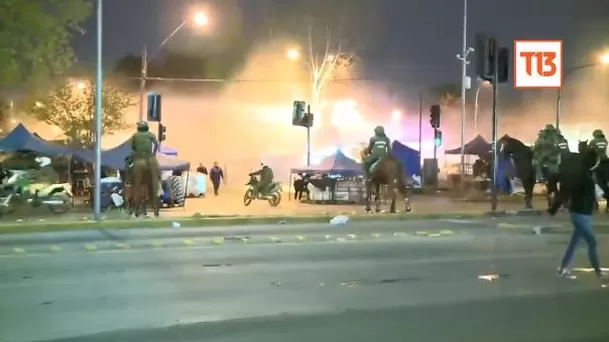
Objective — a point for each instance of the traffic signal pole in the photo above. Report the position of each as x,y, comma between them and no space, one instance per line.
308,136
494,189
435,160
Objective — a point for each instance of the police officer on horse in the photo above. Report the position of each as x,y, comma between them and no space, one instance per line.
547,151
378,149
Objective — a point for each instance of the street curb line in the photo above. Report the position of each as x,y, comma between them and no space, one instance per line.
200,221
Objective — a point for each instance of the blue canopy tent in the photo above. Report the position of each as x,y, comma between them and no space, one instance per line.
337,163
168,151
20,139
115,158
477,146
410,159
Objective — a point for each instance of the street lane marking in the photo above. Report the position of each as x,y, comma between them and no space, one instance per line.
191,243
123,245
90,247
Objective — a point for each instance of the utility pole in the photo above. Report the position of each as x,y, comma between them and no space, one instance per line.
465,51
143,74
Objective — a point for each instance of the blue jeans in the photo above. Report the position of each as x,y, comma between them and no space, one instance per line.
582,229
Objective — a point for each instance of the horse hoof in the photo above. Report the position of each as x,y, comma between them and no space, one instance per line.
368,211
393,211
408,209
378,211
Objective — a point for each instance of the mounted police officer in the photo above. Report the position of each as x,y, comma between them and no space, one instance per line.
546,152
562,143
599,144
145,145
378,148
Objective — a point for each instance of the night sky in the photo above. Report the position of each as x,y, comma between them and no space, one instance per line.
420,39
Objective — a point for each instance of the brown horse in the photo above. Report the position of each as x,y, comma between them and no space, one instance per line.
145,185
389,173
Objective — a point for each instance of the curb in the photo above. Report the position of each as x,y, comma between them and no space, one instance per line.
201,221
212,242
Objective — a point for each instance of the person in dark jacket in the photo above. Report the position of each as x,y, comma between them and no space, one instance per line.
582,203
301,186
216,175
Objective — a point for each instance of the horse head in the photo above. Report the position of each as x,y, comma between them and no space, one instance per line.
582,146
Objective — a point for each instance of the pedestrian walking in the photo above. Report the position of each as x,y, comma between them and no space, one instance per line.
582,204
216,175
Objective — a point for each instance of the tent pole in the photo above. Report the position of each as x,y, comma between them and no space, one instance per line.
186,189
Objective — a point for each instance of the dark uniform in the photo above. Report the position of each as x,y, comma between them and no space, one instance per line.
599,144
546,153
144,145
378,148
266,179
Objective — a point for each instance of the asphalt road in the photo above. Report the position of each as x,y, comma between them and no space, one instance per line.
375,281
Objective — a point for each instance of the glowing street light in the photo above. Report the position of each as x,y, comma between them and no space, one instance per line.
396,115
80,85
293,54
603,60
199,19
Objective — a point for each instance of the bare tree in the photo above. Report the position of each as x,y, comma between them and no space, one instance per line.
331,34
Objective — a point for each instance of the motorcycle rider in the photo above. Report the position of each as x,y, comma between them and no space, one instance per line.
266,179
145,145
599,144
546,154
378,148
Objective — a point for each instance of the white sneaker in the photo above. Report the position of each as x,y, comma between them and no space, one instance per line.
565,273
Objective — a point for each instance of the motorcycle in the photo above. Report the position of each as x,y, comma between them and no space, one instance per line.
20,188
273,194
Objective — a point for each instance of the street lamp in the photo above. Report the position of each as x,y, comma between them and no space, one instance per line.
80,85
293,54
199,19
603,60
396,115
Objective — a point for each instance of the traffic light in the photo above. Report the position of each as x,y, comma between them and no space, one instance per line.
434,116
437,139
487,51
298,113
154,107
504,65
485,46
162,132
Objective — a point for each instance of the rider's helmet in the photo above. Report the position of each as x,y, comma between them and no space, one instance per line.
262,164
379,130
550,128
142,126
598,133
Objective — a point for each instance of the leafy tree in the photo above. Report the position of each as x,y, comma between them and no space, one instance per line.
71,107
35,36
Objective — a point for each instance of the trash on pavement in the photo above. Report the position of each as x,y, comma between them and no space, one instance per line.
488,277
339,220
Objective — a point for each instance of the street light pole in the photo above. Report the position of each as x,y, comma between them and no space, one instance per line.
202,20
98,115
464,62
476,109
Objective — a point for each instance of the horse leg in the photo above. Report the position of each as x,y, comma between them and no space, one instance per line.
153,196
394,195
368,185
528,184
377,198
